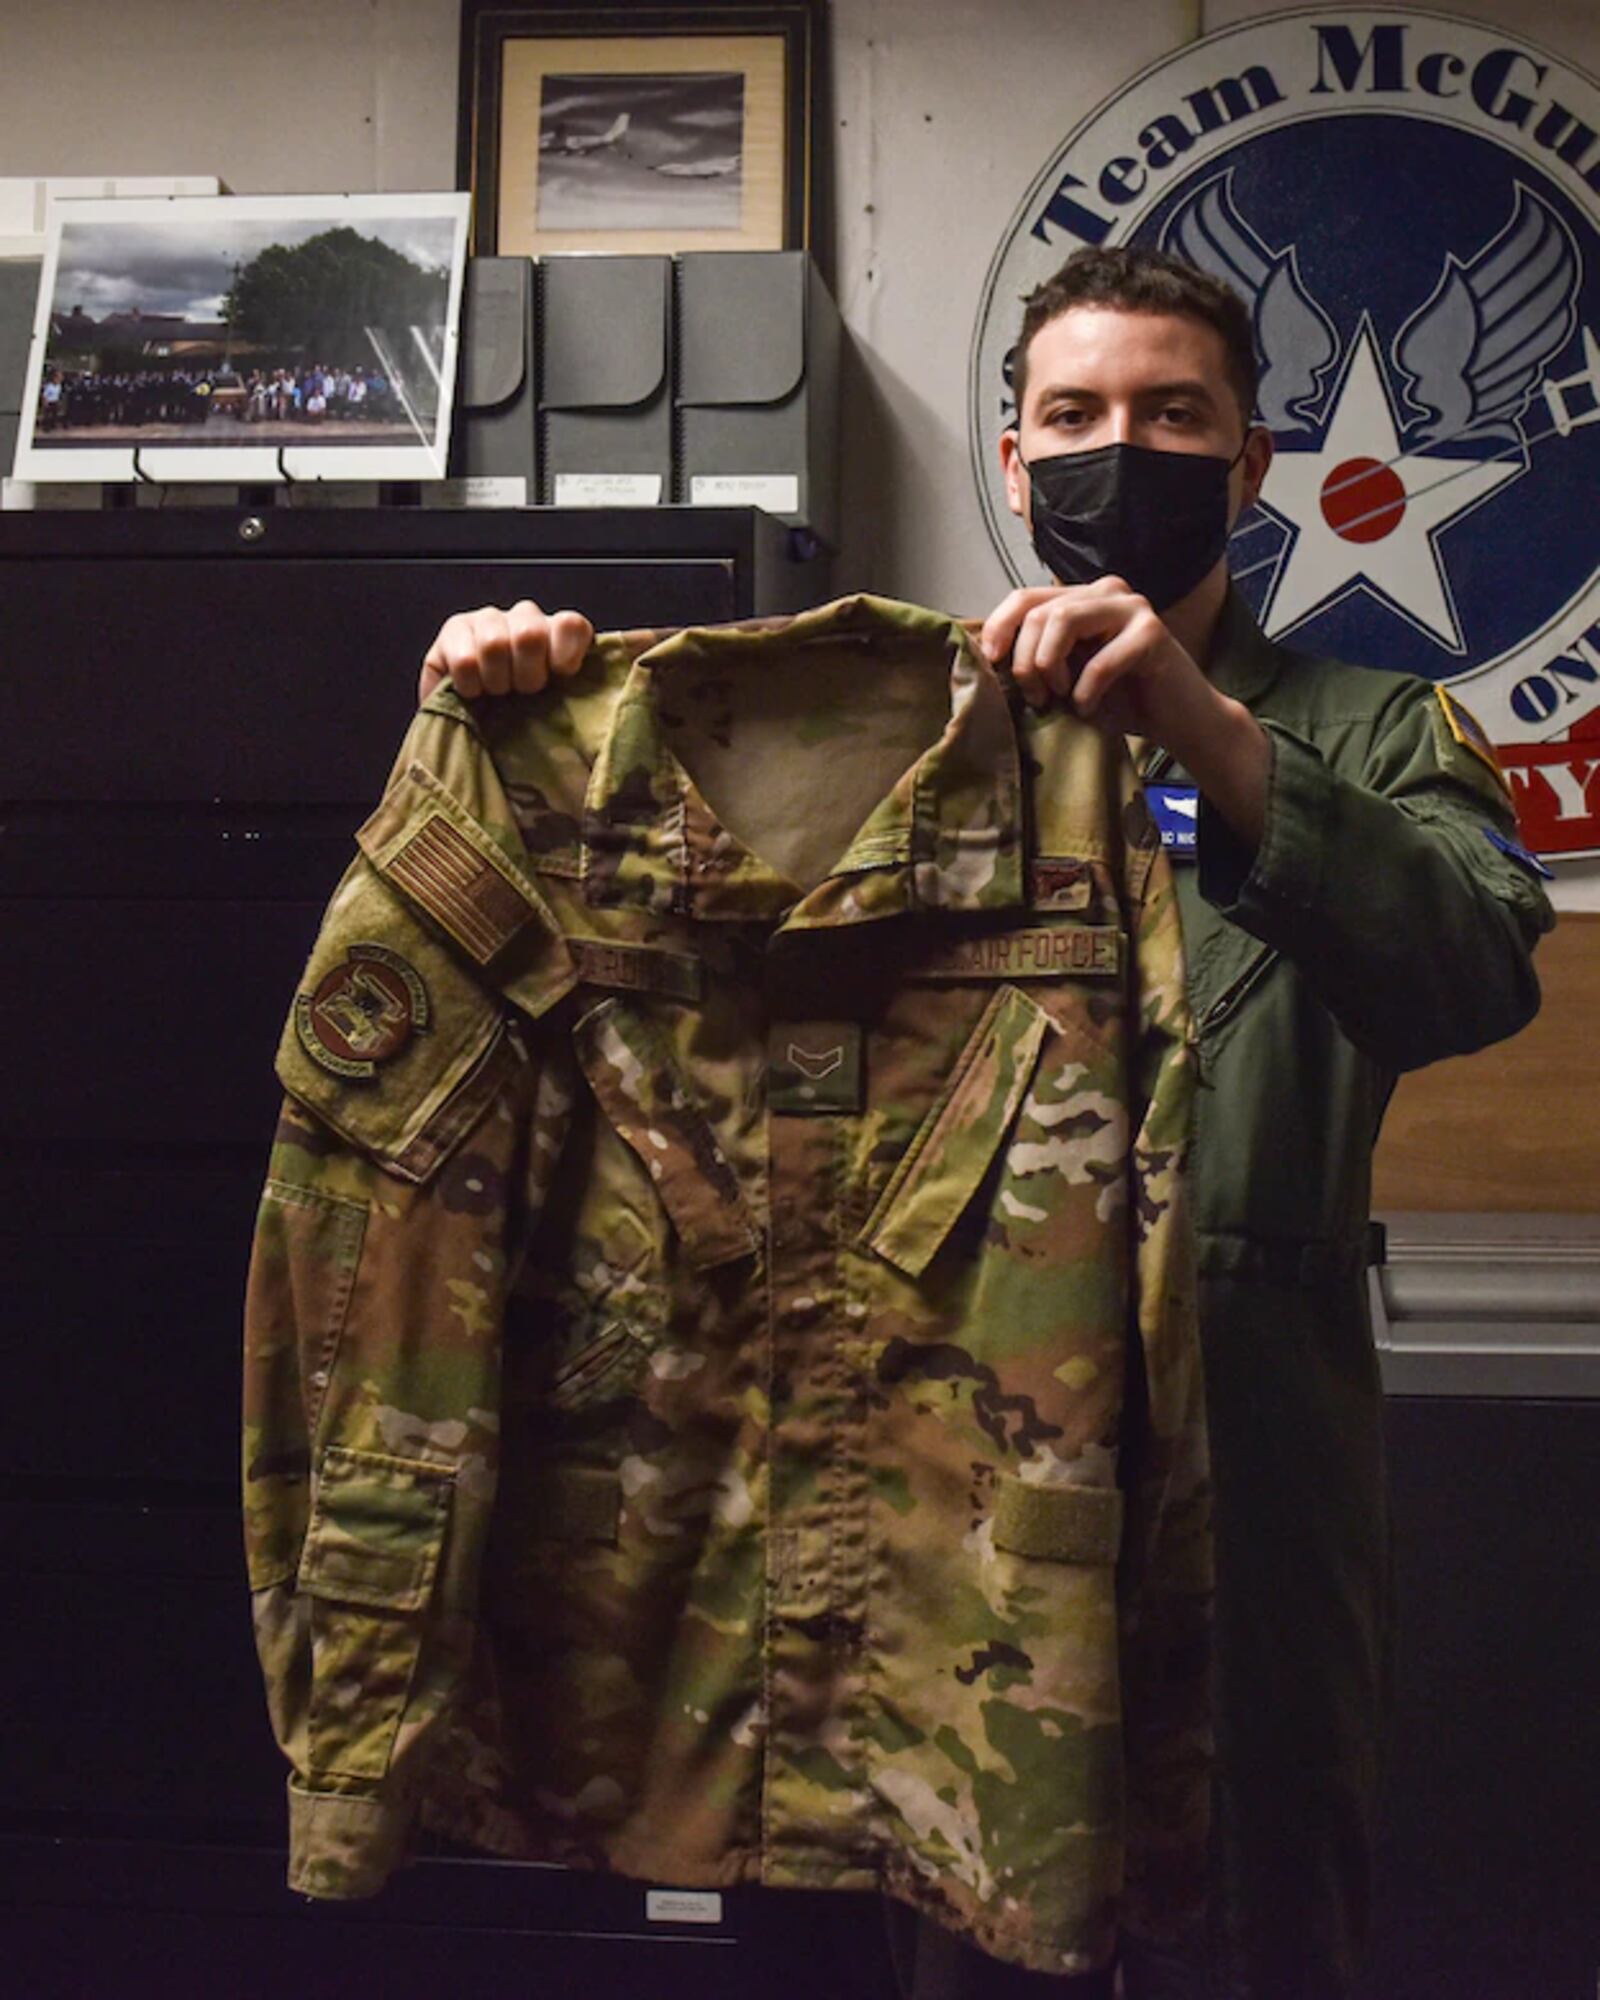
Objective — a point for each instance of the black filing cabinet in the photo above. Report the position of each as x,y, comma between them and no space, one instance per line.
197,709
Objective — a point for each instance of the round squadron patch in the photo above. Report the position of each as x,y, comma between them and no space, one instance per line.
363,1012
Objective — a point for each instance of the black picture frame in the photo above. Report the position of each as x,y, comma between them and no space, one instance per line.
494,35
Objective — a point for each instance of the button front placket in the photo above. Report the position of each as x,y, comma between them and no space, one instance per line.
816,1799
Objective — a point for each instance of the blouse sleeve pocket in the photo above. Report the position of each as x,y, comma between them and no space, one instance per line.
956,1144
371,1557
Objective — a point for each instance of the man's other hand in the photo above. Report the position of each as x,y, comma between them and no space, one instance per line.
1103,649
504,652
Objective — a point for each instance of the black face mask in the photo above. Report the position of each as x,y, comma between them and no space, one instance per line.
1157,519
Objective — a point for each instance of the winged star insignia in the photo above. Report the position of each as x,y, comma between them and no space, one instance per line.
1365,508
1410,204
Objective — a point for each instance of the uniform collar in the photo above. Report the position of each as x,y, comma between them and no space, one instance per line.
947,836
1243,662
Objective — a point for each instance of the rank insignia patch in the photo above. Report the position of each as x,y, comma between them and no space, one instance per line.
815,1068
362,1013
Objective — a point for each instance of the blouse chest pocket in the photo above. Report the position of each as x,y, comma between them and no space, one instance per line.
655,1195
954,1148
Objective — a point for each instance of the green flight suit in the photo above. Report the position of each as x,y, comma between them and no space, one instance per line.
1378,928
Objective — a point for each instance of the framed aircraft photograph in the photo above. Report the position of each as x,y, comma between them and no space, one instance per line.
245,338
622,129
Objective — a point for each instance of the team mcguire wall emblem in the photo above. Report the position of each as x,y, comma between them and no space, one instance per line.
1410,204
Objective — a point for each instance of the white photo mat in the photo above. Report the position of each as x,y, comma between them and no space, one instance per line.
94,248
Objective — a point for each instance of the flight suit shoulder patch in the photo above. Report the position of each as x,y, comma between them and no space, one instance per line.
1464,745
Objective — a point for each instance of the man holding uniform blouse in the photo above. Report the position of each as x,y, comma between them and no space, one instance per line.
1355,904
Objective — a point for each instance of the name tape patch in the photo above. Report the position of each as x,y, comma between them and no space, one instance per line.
1054,951
637,968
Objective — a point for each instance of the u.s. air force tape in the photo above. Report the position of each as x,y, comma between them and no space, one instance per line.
1051,951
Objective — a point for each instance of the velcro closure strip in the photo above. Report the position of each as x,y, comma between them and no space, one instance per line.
637,968
1073,1524
576,1503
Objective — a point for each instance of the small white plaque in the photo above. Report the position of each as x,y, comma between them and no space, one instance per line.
683,1906
27,496
480,492
336,493
777,492
160,497
608,489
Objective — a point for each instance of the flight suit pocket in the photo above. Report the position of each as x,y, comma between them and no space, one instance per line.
392,1040
639,1086
957,1143
371,1557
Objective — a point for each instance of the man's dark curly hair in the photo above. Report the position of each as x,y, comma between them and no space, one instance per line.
1146,281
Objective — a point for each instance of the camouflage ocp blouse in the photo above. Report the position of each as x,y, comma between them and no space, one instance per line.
723,1399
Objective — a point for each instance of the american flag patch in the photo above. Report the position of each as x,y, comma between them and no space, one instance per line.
1470,733
460,888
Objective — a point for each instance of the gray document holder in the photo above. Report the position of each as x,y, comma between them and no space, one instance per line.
496,427
19,294
606,405
758,383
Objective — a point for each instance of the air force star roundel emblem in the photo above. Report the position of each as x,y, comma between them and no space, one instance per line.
1410,205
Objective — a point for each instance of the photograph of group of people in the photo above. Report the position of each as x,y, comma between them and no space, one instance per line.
91,404
318,325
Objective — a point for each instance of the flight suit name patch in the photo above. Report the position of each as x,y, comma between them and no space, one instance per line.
1055,951
363,1012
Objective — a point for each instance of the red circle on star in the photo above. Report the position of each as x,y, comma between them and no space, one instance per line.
1363,500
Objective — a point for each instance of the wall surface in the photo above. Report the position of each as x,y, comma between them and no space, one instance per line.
943,112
